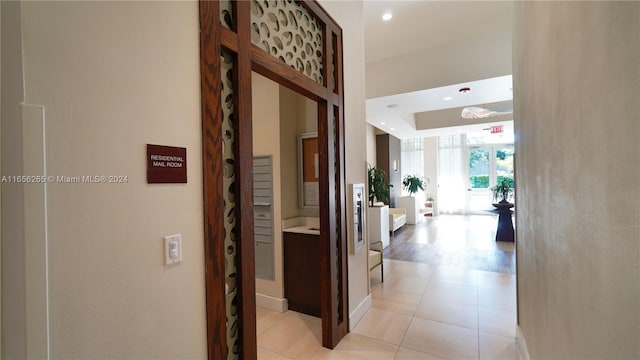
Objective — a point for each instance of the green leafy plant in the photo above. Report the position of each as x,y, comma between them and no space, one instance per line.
503,190
413,183
378,187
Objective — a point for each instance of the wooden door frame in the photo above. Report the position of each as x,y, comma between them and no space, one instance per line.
330,98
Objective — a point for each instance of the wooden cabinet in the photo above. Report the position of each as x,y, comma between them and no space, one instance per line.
302,272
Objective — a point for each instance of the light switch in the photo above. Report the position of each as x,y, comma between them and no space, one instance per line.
172,249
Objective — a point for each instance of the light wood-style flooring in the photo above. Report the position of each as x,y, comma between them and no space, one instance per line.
464,241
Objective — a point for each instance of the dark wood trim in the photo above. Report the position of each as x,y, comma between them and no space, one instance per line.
334,315
332,42
302,287
213,38
210,81
335,98
340,72
317,10
274,69
343,323
327,227
326,60
244,183
229,39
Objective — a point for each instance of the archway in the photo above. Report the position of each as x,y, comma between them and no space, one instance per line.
299,46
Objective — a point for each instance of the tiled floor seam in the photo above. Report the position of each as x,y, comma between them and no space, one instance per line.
492,334
378,340
405,334
449,324
315,353
395,354
269,328
421,297
418,350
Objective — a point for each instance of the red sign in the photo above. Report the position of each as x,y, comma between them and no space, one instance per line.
166,164
496,129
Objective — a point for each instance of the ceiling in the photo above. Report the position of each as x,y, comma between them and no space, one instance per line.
420,25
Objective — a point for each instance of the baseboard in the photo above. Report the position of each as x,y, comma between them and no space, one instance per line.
271,303
522,344
357,314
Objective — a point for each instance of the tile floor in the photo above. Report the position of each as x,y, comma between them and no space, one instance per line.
421,311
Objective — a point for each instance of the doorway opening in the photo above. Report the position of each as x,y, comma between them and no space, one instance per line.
297,45
488,166
286,198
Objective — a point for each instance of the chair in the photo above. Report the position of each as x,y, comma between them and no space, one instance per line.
375,257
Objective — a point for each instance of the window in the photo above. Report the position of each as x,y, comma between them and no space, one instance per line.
488,165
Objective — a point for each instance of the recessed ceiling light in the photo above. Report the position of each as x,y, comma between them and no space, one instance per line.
392,106
447,98
382,122
392,129
387,16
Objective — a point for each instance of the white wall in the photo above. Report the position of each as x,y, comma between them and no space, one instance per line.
472,59
13,250
114,76
371,144
349,15
577,124
289,124
1,197
308,114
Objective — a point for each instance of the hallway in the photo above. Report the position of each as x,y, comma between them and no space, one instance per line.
421,311
466,241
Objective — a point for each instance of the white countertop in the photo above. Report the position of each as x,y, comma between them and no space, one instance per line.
302,225
302,230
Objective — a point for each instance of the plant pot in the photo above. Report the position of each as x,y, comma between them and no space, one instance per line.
503,205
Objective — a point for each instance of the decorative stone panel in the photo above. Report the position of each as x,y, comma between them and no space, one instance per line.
230,224
226,14
286,30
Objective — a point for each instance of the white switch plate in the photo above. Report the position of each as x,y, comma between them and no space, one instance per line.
172,249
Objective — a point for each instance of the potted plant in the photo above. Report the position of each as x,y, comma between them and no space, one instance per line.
413,183
378,187
503,191
429,202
